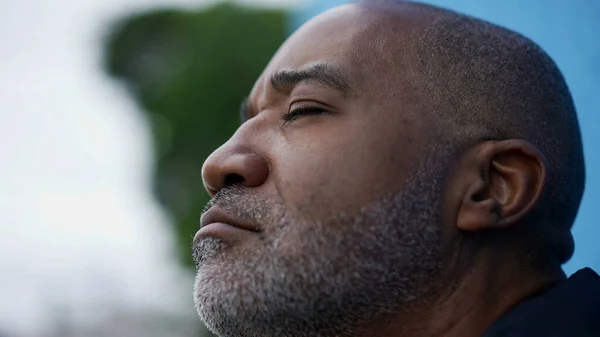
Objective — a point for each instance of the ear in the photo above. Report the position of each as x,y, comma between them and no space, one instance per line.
502,181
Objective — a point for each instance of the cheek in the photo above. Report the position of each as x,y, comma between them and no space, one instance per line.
340,169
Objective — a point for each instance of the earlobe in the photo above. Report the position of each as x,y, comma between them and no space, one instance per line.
505,180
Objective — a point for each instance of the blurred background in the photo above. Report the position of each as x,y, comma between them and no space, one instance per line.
107,112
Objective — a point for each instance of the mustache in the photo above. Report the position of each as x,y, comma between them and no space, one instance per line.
226,197
238,201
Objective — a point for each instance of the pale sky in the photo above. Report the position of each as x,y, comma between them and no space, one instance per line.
78,227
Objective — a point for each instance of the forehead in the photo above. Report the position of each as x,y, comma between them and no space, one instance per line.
359,42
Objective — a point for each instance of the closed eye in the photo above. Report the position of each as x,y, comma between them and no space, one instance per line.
303,111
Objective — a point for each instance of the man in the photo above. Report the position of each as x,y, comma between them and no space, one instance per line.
401,170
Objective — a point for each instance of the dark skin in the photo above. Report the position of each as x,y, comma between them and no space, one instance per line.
354,135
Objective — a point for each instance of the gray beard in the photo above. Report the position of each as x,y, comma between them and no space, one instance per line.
327,278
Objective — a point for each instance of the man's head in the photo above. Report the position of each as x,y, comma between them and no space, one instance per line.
388,148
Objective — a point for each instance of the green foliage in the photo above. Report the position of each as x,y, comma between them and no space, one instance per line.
189,71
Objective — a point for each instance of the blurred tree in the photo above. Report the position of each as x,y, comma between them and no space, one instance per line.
189,71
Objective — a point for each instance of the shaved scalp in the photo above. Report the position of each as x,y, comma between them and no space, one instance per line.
476,81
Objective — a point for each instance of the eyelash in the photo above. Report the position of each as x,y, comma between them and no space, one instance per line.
302,111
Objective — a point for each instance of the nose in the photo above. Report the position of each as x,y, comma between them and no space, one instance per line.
234,165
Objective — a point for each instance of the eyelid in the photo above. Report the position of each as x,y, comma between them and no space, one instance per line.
303,103
300,108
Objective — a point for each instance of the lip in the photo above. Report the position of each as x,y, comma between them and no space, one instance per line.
217,215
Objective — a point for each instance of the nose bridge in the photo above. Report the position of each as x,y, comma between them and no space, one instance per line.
238,161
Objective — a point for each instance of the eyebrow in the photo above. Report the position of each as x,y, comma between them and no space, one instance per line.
324,74
284,80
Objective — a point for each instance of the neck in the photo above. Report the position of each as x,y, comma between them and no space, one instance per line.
471,305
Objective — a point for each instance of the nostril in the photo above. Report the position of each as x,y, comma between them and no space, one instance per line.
233,179
237,166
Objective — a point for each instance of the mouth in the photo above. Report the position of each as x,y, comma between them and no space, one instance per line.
216,222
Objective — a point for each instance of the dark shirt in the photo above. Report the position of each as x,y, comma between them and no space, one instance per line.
569,309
